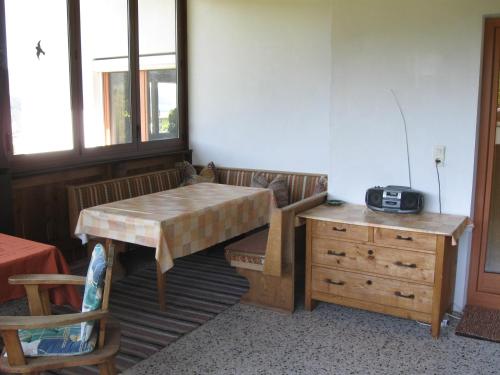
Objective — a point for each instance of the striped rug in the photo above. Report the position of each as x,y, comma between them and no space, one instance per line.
199,287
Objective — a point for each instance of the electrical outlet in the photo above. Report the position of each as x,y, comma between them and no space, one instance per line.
439,154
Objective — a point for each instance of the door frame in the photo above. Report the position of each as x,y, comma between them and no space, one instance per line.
484,288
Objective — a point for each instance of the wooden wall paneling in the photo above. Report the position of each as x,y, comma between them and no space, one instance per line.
40,202
6,216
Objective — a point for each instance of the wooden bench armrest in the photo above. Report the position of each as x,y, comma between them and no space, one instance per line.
281,225
8,323
44,279
307,203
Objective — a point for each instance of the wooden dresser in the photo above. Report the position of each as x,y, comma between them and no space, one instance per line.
402,265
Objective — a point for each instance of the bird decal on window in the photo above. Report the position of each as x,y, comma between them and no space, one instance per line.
39,50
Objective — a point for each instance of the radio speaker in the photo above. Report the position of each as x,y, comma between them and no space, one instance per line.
374,197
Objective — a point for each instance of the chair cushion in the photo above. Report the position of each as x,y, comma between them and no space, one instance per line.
321,185
251,251
59,341
190,177
259,180
92,297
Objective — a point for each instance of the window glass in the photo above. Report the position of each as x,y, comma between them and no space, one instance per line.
105,75
38,69
157,60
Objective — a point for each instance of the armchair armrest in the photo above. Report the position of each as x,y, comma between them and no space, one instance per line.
44,279
8,323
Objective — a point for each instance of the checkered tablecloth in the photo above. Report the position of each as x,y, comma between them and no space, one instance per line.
180,221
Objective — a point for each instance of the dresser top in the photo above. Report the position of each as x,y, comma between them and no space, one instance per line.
426,222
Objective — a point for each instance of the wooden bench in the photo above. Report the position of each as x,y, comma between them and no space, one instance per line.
283,259
274,262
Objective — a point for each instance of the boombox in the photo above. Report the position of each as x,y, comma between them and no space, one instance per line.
399,199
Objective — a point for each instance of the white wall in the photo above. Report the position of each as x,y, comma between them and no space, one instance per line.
259,83
266,78
429,52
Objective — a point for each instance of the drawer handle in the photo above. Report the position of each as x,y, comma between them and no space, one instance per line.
409,296
330,281
331,252
407,265
339,229
398,237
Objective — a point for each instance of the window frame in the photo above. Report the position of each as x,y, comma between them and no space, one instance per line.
79,155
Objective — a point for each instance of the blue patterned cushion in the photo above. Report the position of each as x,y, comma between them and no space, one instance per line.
55,341
92,297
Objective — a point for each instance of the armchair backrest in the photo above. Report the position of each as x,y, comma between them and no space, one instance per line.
97,286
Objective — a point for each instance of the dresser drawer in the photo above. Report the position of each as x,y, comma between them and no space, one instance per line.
399,238
404,264
340,230
405,295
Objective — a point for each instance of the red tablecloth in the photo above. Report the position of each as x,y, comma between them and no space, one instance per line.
20,256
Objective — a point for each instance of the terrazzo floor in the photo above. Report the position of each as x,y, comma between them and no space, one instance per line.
330,340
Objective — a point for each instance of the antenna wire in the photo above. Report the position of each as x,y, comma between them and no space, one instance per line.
406,135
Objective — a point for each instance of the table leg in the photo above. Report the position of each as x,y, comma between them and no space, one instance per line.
161,281
119,271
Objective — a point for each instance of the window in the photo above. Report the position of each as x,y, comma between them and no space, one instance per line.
159,98
38,64
100,81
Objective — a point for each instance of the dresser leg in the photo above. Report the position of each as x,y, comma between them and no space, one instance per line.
310,304
435,329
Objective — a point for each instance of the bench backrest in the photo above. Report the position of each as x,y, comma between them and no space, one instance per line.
301,185
101,192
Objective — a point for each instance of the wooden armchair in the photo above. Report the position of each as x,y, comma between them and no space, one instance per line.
108,340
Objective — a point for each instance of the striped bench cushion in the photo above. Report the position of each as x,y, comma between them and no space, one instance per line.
102,192
301,185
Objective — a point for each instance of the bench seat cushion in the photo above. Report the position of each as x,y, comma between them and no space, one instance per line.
249,252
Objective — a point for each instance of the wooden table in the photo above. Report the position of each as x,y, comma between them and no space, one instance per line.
397,264
19,256
179,221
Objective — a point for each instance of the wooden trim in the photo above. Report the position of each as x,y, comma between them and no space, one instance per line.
75,71
88,162
482,195
182,71
490,282
106,108
5,119
21,164
309,303
370,306
438,287
143,86
16,355
28,322
34,300
160,283
133,48
273,259
47,279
